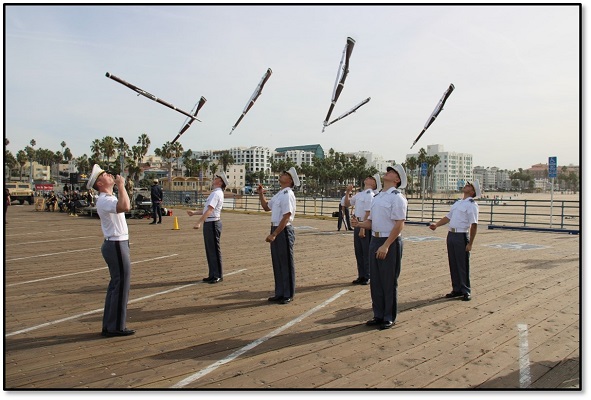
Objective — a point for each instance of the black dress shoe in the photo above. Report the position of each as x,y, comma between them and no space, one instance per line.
386,325
286,300
357,281
208,279
152,223
467,297
275,298
124,332
453,294
159,222
364,281
215,280
374,321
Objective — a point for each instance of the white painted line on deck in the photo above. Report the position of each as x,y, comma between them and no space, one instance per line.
254,344
37,233
53,240
57,254
102,309
52,254
84,272
524,373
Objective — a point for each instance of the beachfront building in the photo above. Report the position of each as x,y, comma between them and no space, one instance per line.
452,172
373,160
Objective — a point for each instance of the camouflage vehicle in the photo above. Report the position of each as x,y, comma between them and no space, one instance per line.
21,192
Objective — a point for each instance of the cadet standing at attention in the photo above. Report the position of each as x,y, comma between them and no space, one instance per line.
362,202
115,248
282,237
386,221
463,224
212,228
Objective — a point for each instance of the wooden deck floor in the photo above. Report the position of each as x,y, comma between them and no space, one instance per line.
521,330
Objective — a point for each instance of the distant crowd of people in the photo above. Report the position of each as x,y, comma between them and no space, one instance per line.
70,200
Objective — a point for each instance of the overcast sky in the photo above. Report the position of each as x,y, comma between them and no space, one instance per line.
515,70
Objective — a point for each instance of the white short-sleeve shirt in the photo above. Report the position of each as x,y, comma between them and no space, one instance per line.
215,200
462,214
387,208
282,203
362,202
113,223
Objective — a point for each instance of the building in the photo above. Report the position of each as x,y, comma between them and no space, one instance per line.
486,176
235,173
373,160
315,149
453,170
40,172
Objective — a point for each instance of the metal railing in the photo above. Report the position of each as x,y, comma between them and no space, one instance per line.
560,214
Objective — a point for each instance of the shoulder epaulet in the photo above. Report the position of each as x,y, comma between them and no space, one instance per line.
285,191
395,191
368,191
471,200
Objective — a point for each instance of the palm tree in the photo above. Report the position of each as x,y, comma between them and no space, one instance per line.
31,154
177,152
411,166
144,142
432,162
95,149
67,154
108,146
10,162
83,164
21,159
422,158
166,153
226,159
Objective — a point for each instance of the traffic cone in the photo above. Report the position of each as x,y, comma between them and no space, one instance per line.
175,227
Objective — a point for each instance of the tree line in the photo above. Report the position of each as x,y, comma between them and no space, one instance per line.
327,176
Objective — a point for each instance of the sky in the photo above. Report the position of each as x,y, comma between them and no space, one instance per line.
515,68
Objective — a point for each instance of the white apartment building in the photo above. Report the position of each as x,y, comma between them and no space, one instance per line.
256,157
373,160
453,170
486,176
299,157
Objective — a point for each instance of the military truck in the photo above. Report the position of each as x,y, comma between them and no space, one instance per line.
21,192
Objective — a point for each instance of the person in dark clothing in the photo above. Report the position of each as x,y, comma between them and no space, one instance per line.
156,197
6,201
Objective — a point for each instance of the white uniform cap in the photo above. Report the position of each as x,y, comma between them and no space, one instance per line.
224,178
476,185
96,171
401,173
294,176
378,179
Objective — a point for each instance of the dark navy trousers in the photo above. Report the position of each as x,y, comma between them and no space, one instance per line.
212,232
361,246
116,255
384,279
459,261
283,263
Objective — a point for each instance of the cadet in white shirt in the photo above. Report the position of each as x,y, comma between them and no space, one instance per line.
463,224
361,237
115,248
386,221
212,228
282,237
